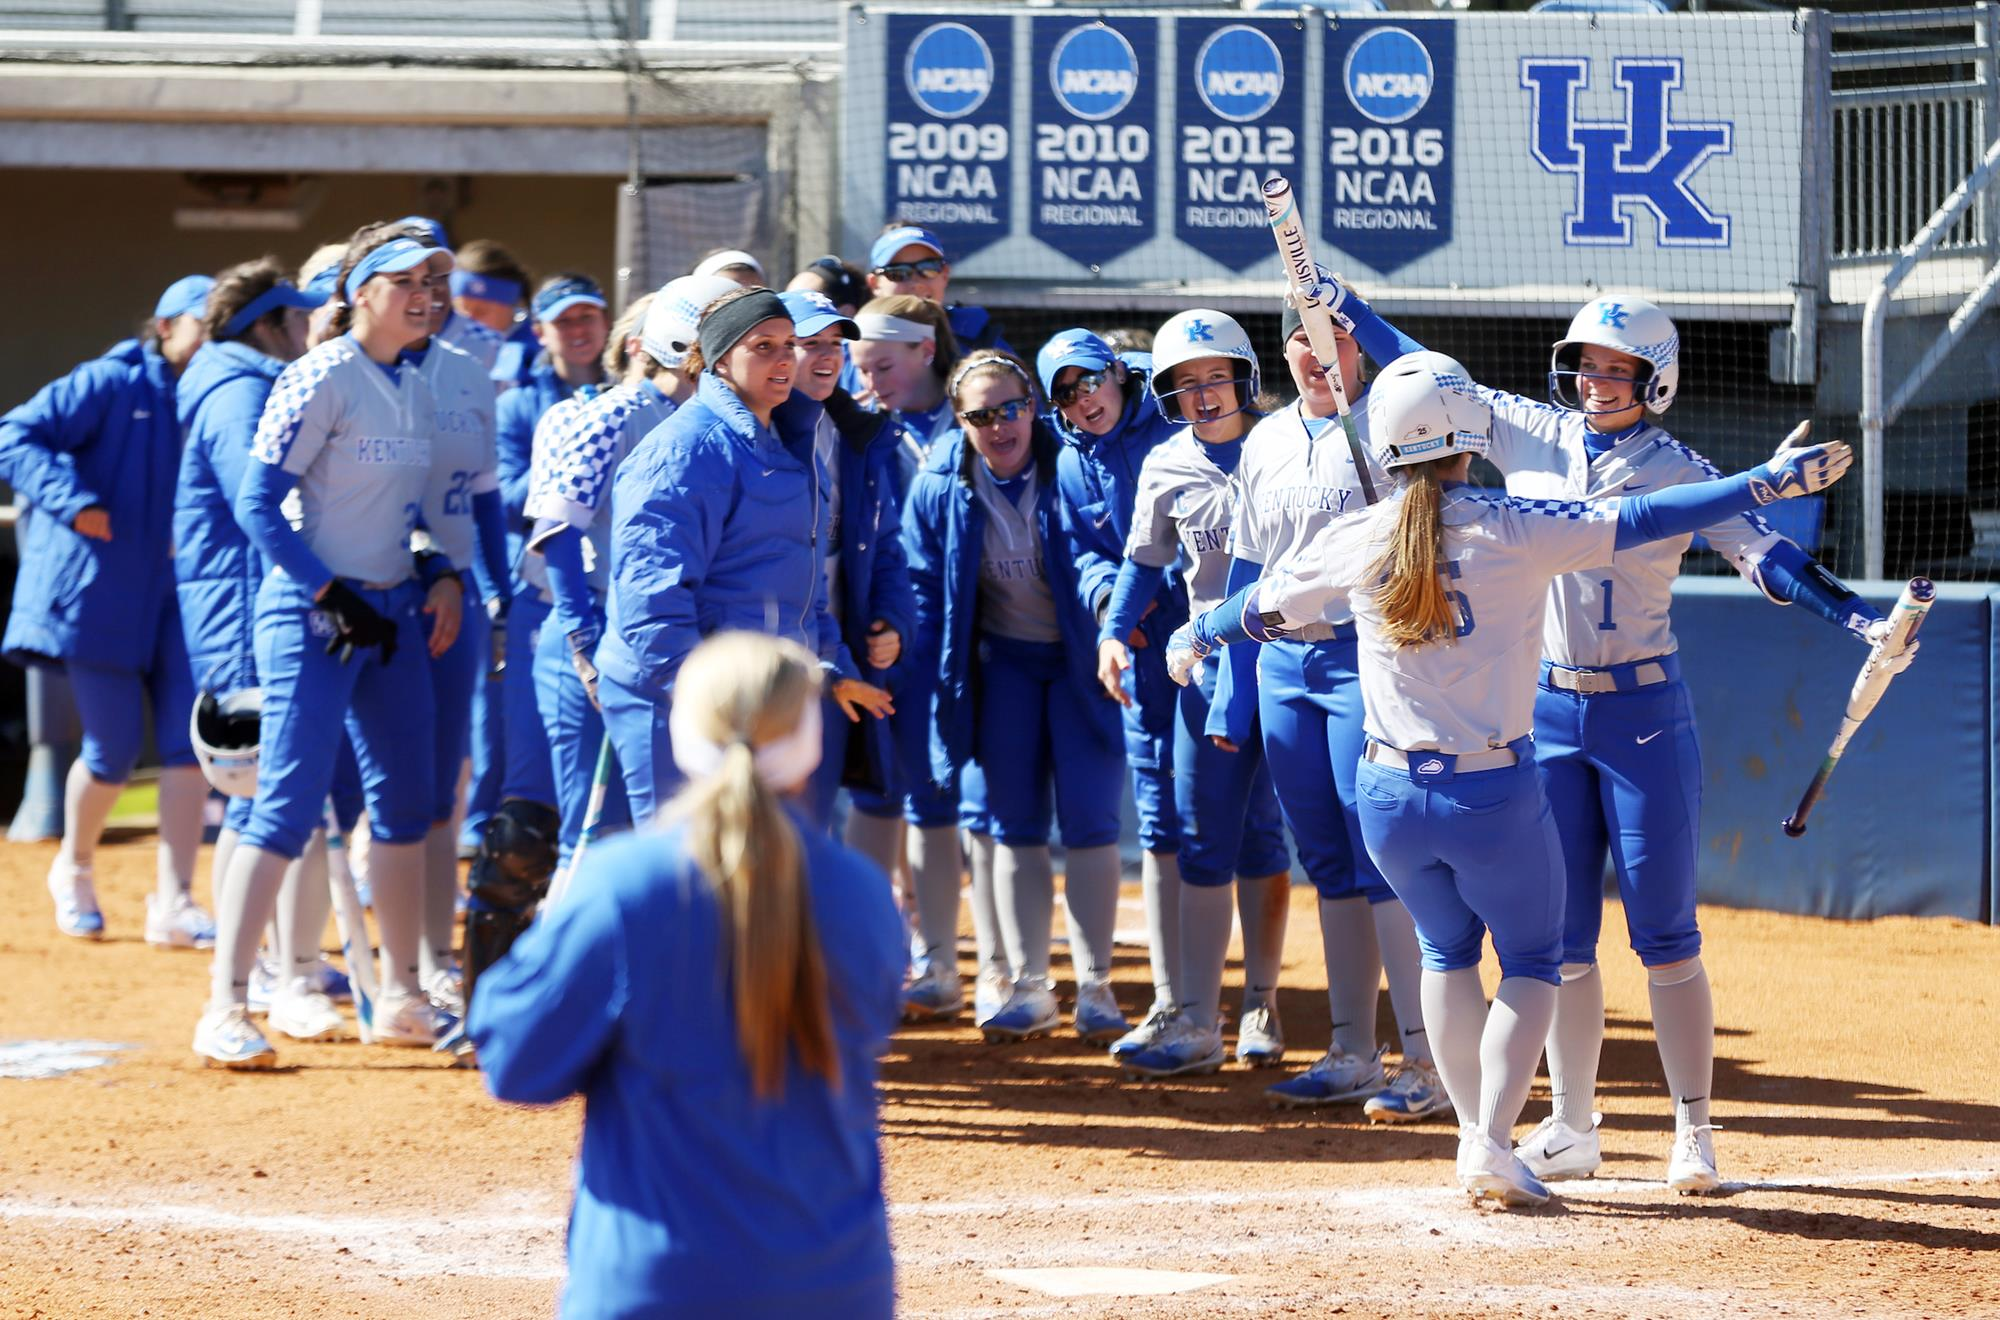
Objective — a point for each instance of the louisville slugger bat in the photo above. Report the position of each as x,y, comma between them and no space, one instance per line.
355,945
1303,277
593,817
1869,685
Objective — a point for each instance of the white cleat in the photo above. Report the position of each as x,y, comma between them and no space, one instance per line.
225,1038
990,992
1029,1011
446,988
1413,1094
411,1020
1147,1034
1556,1150
304,1012
178,923
1691,1168
934,994
74,890
1490,1172
1184,1049
1260,1040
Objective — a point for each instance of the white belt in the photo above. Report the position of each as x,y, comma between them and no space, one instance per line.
1604,680
1496,758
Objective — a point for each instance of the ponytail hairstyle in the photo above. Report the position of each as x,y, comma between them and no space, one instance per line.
909,307
366,239
741,691
696,363
235,289
1416,609
617,357
993,362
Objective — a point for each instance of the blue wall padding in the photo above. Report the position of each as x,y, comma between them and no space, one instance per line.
1907,825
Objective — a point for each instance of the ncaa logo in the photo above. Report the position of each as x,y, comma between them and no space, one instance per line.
949,70
1388,75
1094,72
1239,73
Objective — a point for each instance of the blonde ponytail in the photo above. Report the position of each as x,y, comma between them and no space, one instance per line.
746,689
1416,608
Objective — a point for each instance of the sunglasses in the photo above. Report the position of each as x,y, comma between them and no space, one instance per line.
1065,395
909,270
1011,411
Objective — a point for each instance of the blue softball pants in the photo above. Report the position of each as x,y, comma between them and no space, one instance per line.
1622,771
530,771
489,724
575,732
1309,702
637,726
1225,802
111,705
454,677
1468,854
388,708
347,795
1033,730
1151,756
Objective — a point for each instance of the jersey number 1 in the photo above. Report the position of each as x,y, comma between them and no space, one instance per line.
1605,624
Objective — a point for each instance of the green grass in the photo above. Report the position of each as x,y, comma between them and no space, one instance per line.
138,805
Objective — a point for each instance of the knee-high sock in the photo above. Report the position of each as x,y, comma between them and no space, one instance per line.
1576,1042
1353,971
87,803
1160,875
1262,904
1403,964
1024,889
183,792
440,909
1509,1051
1684,1026
396,873
1206,916
1090,895
303,897
242,910
934,867
1455,1019
982,855
878,838
218,865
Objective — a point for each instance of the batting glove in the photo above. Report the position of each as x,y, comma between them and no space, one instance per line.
1799,468
582,647
356,625
1184,655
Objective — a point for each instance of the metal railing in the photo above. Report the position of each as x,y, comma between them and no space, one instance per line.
737,21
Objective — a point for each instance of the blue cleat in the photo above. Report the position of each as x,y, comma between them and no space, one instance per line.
1338,1078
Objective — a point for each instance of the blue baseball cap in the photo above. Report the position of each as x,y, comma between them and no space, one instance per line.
398,254
186,296
431,227
814,312
1071,348
559,296
887,246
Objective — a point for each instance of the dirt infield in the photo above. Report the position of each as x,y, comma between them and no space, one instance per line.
1855,1088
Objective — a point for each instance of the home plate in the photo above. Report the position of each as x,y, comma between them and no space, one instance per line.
1101,1281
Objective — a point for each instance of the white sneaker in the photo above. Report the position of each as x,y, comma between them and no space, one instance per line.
178,923
408,1020
1491,1172
1029,1011
74,889
264,985
303,1012
1147,1034
225,1038
1691,1168
1557,1150
990,992
1260,1040
446,988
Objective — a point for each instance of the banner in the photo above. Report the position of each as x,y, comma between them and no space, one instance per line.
1093,196
1385,191
949,139
1240,115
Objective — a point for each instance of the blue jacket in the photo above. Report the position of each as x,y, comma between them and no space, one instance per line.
695,1196
106,435
944,536
1098,478
717,523
514,418
874,575
216,569
974,327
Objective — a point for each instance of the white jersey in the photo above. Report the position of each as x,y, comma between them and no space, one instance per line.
1184,506
1478,690
464,458
360,446
477,341
569,479
1615,613
1291,485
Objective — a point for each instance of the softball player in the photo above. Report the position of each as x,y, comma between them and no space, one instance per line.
489,289
909,260
841,282
731,1156
1296,479
339,629
1001,621
1614,724
1205,382
95,454
1449,587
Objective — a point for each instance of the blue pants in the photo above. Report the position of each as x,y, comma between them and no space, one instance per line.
824,786
1034,728
575,733
530,773
348,796
388,709
1468,854
111,706
914,793
1309,702
1623,772
1151,756
489,724
454,676
637,725
1228,811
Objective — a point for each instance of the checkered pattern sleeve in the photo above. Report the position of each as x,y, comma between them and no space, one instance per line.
304,408
1562,536
571,474
1524,432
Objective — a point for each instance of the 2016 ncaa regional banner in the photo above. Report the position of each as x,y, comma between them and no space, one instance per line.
1526,151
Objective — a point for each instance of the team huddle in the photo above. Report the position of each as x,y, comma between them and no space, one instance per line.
349,530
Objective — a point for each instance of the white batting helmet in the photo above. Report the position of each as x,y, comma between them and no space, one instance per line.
1625,324
1423,407
671,320
224,730
1201,332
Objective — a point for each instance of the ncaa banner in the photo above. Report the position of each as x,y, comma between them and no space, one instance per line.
948,133
1093,196
1240,111
1385,189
